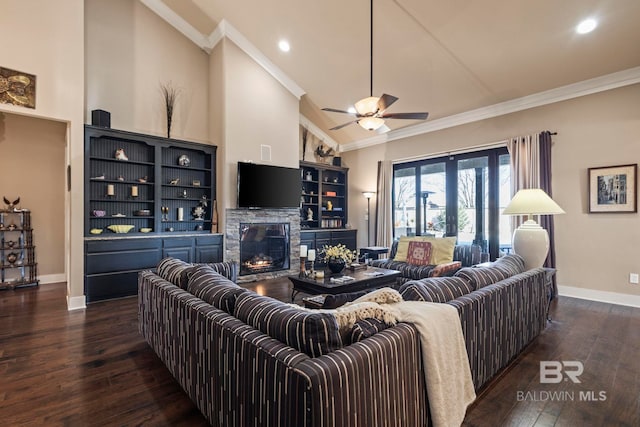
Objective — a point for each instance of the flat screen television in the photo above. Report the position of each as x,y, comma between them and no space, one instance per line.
267,186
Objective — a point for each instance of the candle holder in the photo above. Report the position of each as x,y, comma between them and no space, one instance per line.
303,267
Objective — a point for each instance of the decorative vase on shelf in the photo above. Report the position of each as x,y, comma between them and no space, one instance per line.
336,266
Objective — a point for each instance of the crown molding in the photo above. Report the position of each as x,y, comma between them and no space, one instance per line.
223,30
176,21
586,87
306,123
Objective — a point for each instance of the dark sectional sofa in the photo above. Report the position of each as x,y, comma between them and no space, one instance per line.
465,255
246,359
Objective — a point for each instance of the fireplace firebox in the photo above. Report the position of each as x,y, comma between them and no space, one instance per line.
264,247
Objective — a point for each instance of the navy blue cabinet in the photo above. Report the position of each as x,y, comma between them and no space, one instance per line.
112,265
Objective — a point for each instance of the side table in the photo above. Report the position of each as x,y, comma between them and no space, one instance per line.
368,251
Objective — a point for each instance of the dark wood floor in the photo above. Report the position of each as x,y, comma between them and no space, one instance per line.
90,367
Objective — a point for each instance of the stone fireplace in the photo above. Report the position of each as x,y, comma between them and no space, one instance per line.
264,242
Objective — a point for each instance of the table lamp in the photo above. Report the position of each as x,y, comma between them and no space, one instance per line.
531,241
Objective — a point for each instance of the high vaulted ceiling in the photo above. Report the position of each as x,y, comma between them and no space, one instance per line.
445,57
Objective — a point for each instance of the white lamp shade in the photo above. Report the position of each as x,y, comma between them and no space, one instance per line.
531,242
532,201
367,105
371,123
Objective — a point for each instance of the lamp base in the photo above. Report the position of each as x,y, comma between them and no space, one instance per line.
531,242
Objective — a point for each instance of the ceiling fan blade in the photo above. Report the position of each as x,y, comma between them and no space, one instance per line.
343,125
385,101
334,110
410,116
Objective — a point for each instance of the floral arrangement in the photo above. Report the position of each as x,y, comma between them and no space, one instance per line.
338,252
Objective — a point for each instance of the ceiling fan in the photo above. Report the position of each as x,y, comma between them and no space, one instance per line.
371,112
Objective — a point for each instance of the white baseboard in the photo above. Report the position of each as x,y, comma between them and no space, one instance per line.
52,278
600,296
76,303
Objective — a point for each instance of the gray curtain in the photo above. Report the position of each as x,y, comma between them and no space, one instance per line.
383,231
524,153
546,221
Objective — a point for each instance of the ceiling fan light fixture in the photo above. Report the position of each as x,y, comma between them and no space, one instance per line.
367,105
371,123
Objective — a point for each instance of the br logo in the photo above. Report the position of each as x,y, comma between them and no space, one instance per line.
553,372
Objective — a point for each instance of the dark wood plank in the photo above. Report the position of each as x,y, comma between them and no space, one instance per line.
91,367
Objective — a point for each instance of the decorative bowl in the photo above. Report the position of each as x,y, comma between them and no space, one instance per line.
95,231
145,230
120,228
98,213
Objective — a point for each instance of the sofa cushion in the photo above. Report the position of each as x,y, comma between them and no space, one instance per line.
311,332
407,271
437,289
228,269
510,264
175,271
366,328
447,269
479,277
209,285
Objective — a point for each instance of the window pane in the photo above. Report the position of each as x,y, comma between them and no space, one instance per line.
433,199
404,202
504,198
473,205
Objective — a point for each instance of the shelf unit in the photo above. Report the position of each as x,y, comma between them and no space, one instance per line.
149,187
324,194
18,267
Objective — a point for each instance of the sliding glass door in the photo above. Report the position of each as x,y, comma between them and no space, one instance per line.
460,196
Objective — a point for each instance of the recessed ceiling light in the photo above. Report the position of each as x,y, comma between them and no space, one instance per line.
586,26
284,45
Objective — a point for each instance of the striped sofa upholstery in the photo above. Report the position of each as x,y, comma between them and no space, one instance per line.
239,376
500,311
177,271
467,255
242,373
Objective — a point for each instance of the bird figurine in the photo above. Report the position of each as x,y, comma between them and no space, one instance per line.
323,152
120,155
11,205
174,181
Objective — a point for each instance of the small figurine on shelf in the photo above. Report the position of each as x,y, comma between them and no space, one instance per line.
309,177
143,179
120,178
183,194
309,214
120,155
174,181
12,205
329,205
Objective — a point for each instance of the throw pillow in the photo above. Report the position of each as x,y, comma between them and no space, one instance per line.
442,249
419,253
403,246
175,271
313,332
209,285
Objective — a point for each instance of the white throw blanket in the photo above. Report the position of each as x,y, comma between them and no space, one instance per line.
445,362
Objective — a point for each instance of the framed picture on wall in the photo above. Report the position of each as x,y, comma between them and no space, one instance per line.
613,189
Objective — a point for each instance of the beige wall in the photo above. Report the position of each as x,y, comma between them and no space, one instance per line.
130,51
32,167
258,110
53,49
594,251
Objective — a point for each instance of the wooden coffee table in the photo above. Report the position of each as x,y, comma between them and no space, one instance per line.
369,278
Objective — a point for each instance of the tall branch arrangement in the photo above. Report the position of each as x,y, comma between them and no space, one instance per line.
170,94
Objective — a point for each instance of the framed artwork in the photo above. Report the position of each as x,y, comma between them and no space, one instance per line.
17,88
613,189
